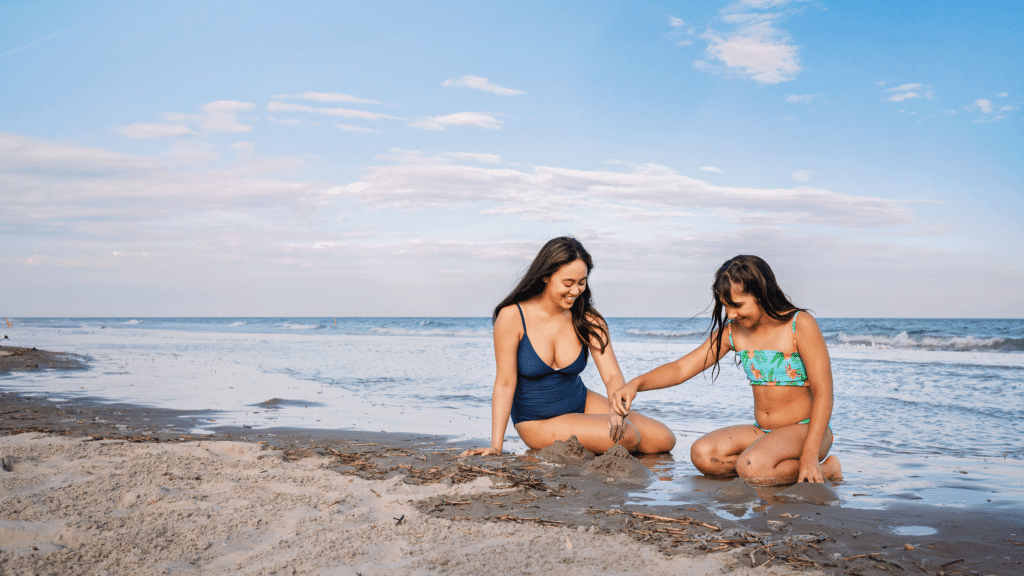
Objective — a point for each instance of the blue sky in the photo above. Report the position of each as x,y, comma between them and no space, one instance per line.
409,158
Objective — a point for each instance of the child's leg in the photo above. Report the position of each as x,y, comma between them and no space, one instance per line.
715,453
775,459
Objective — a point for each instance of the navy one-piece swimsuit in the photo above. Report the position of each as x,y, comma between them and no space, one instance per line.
543,392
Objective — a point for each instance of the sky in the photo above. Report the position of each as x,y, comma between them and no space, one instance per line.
391,158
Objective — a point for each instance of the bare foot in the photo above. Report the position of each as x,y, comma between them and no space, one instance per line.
832,469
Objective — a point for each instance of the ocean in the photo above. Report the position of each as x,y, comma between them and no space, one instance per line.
925,410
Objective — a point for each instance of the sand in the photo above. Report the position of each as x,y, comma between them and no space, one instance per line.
74,506
88,487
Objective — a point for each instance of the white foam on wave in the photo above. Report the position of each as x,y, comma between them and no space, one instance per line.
663,333
300,326
432,332
239,323
904,340
132,322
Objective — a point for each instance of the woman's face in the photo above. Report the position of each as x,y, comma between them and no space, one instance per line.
566,284
747,312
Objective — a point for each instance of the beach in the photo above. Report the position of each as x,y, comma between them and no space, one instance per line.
184,402
111,489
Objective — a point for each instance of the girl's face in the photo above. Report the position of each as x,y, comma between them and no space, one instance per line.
747,312
566,284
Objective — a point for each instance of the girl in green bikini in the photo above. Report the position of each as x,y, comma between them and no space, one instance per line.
783,353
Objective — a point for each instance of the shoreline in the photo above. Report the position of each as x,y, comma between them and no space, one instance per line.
801,534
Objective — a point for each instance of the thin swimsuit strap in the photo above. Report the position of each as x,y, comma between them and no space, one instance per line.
794,332
524,319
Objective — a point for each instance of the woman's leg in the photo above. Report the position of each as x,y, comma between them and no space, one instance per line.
774,459
591,429
715,453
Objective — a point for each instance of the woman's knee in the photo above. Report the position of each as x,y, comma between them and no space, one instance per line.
658,439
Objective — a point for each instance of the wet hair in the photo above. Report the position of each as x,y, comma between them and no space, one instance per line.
756,278
588,323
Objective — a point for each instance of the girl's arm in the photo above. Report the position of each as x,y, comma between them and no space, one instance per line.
814,353
666,375
507,333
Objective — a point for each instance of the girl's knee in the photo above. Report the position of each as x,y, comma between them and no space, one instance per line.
753,466
706,456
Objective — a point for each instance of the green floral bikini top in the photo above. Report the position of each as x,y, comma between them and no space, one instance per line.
770,367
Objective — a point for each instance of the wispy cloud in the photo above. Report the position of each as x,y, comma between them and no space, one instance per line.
343,112
9,52
155,130
423,182
353,128
990,111
711,169
800,98
801,175
474,156
219,116
477,119
904,92
756,47
326,97
479,83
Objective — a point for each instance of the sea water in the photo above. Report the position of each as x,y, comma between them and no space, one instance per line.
925,410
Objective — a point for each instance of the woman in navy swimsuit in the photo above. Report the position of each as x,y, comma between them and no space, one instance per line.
544,332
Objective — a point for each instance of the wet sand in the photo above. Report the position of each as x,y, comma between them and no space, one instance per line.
521,513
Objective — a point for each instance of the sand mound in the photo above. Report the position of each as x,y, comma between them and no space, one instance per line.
737,492
569,452
619,464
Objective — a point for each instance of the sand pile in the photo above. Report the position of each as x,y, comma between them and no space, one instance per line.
569,452
72,506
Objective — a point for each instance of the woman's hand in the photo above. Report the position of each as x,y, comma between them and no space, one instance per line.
489,451
810,470
622,399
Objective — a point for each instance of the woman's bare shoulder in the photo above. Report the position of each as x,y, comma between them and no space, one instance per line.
508,319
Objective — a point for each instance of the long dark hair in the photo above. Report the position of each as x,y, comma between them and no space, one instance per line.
588,323
756,278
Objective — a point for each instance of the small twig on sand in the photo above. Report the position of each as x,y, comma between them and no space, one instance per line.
951,563
862,556
510,518
660,518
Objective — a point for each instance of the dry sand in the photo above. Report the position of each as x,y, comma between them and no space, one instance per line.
74,506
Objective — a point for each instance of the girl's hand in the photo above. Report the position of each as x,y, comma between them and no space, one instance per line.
810,470
617,426
622,399
489,451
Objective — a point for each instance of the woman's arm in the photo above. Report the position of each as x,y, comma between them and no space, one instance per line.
814,353
607,364
507,334
611,374
667,375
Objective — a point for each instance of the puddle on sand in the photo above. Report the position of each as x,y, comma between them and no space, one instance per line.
913,530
